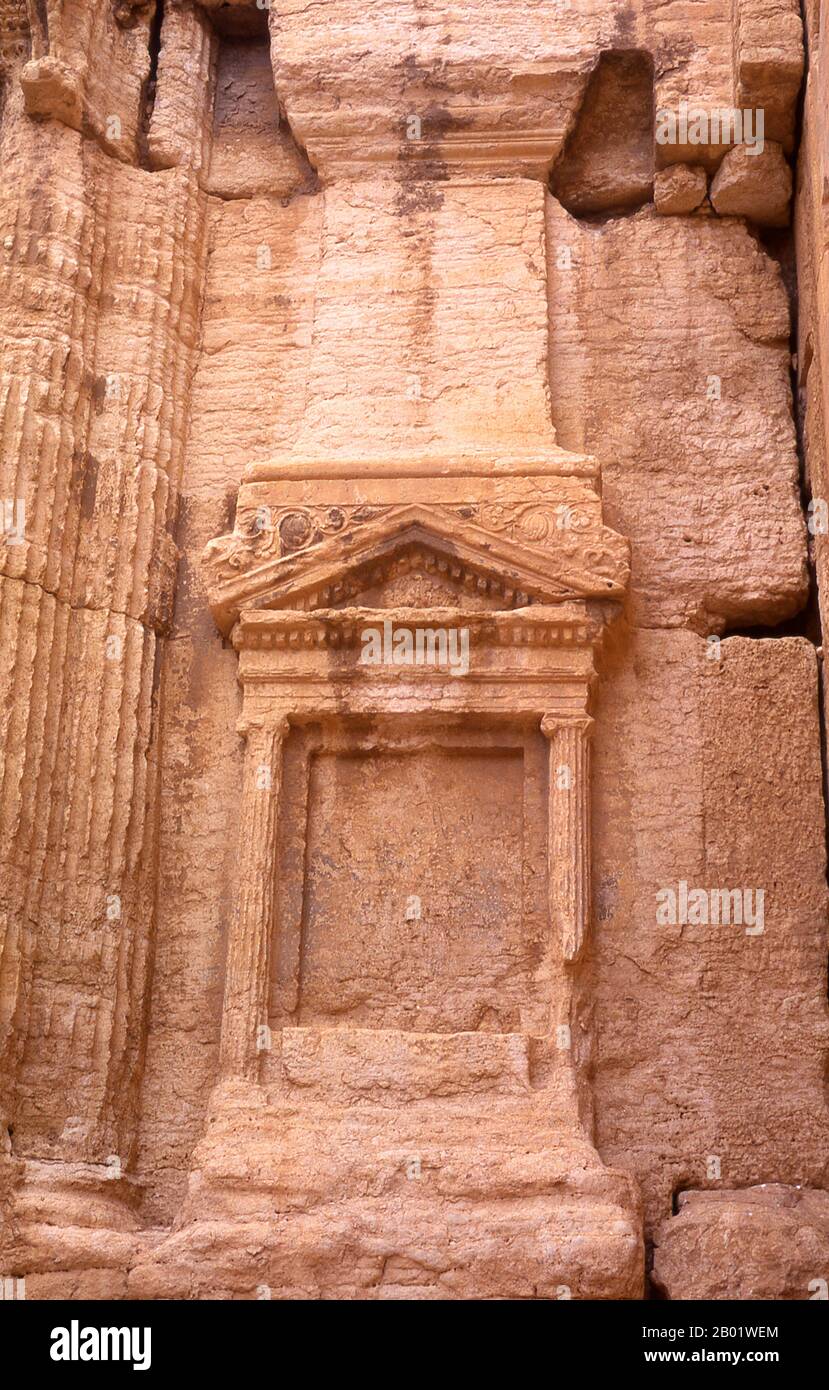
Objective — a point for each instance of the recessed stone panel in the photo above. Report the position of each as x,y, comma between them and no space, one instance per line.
413,912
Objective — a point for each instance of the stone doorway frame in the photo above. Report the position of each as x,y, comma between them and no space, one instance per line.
531,665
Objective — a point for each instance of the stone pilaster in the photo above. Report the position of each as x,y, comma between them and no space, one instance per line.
569,828
246,985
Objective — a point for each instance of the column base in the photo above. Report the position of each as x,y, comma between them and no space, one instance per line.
73,1231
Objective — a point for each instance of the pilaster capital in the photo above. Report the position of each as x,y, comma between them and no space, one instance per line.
553,724
250,729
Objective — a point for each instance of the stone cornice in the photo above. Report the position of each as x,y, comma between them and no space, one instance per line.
549,462
492,558
567,625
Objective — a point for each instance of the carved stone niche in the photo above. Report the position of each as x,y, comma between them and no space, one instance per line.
402,1054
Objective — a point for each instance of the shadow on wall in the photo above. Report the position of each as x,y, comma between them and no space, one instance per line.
607,164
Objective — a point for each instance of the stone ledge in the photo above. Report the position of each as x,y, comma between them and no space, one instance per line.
365,1250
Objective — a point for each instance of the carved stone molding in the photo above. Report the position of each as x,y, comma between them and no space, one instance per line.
405,647
520,540
525,666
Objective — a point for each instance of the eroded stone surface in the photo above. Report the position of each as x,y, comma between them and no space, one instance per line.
681,384
756,185
608,161
342,316
680,188
716,786
766,1242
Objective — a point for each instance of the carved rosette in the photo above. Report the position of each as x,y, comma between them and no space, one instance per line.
289,556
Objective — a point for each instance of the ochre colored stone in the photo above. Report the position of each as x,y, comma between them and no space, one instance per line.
679,188
607,163
412,837
754,183
766,1242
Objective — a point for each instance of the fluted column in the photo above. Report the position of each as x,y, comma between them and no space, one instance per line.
246,983
568,833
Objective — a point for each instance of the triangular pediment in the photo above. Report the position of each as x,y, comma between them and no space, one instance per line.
434,547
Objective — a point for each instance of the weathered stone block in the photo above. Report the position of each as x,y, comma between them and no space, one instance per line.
766,1242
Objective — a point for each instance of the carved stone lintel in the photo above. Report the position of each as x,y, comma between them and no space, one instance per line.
246,986
568,834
